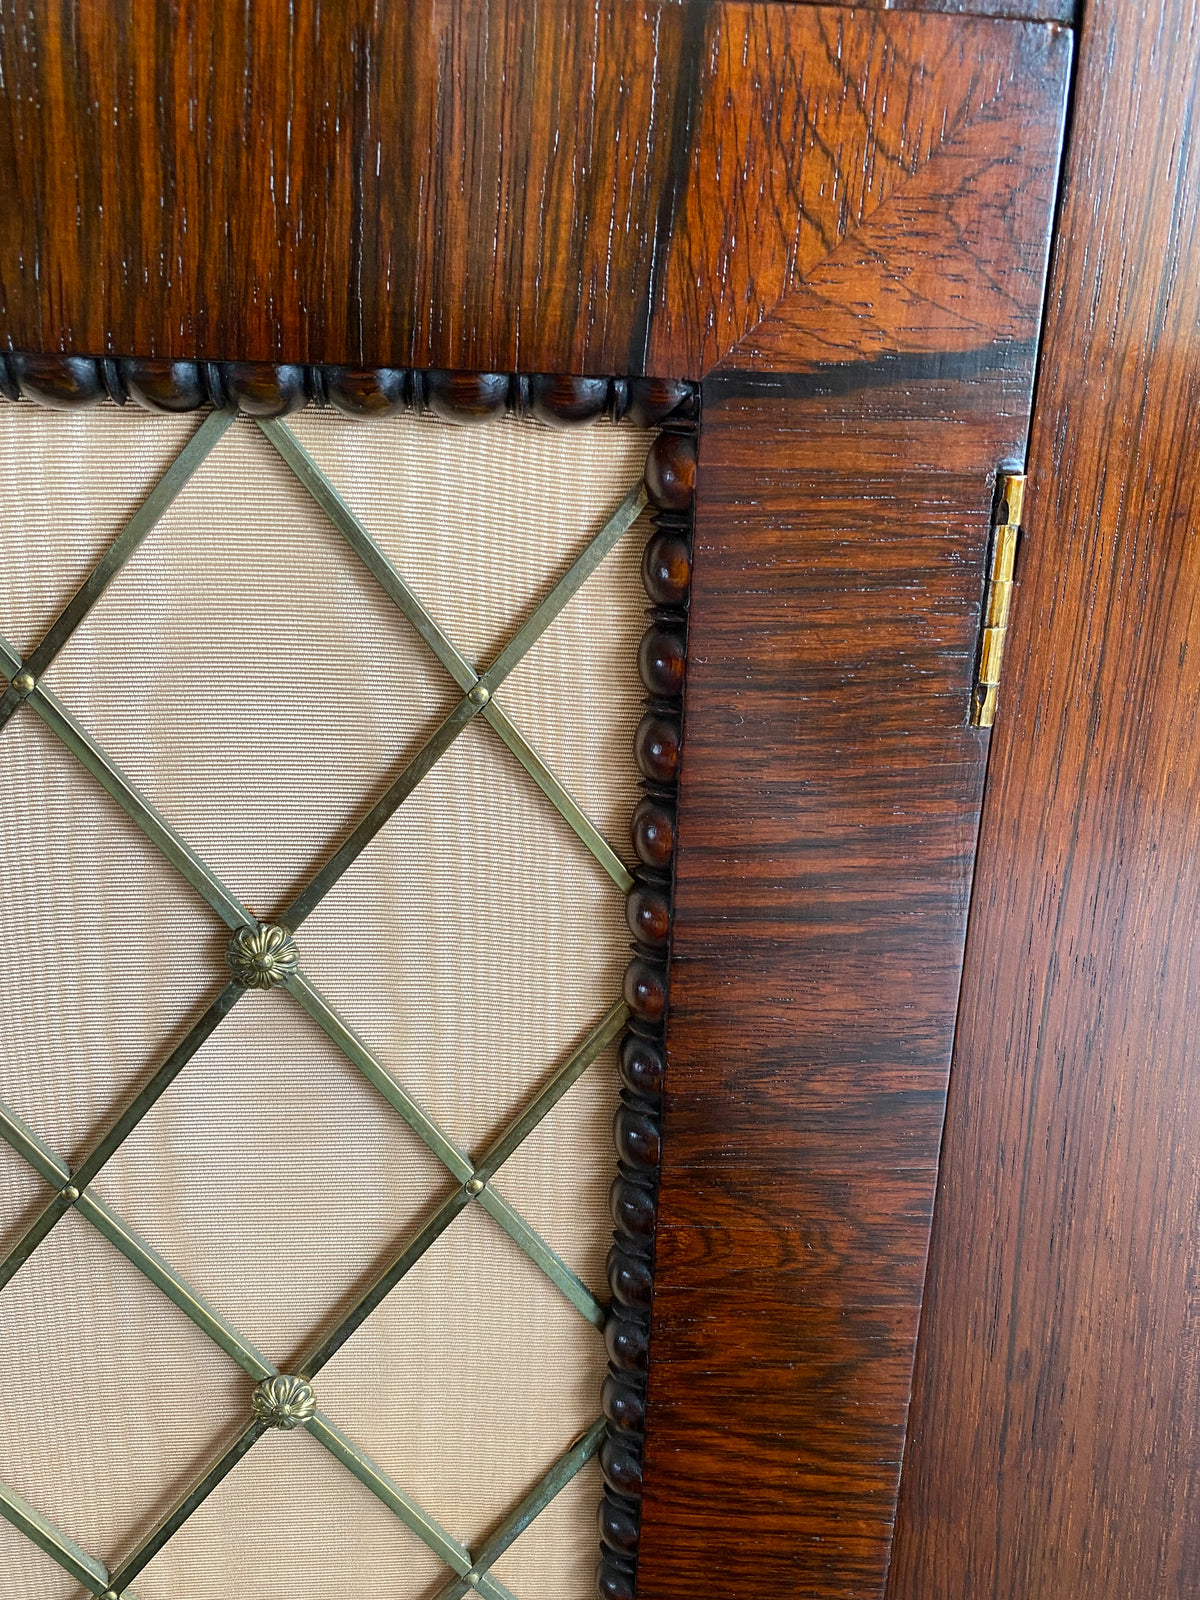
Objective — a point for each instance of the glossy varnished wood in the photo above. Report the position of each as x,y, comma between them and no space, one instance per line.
827,825
484,185
1055,1446
942,265
670,483
828,811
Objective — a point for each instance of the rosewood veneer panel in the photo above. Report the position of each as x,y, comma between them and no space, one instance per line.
722,189
827,827
828,816
1055,1446
484,184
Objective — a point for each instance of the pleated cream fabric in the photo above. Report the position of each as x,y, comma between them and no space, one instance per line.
246,672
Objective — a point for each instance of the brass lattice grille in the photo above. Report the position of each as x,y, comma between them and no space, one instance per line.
270,955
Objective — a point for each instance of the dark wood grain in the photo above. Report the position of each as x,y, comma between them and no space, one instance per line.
827,821
1055,1448
944,262
827,824
841,218
1014,10
479,185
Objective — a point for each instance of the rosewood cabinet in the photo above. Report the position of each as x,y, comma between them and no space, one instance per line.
807,247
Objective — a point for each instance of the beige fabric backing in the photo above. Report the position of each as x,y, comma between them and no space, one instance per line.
247,673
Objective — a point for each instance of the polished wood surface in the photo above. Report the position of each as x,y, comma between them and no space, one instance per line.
826,834
942,266
1055,1434
840,218
267,389
485,185
670,484
827,821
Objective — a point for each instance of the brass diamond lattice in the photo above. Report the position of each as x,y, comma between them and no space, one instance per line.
268,955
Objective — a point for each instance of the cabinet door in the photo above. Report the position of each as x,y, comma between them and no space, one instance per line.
800,250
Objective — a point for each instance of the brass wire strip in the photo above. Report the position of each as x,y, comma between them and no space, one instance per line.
165,490
380,813
538,1251
534,1503
92,1574
55,1171
482,1172
135,805
135,1249
160,833
235,915
230,909
373,1477
169,1525
73,1186
455,1555
103,1152
456,664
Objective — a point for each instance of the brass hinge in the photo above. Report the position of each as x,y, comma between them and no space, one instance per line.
1005,526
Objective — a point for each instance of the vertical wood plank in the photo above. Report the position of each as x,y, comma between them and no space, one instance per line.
828,815
1055,1448
827,826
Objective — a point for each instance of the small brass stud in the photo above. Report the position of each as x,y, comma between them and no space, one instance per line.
480,695
474,1186
262,957
70,1193
24,681
283,1402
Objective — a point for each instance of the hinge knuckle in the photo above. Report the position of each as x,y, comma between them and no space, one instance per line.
1010,500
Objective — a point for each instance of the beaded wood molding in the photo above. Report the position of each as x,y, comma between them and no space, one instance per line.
637,1125
264,956
67,382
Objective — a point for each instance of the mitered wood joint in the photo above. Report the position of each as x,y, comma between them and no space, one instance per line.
998,602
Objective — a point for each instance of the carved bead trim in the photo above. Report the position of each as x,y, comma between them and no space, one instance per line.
264,956
637,1126
67,382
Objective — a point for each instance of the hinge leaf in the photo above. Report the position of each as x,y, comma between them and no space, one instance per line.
1010,498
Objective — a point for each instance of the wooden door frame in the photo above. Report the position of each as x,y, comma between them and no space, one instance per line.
644,197
1059,1335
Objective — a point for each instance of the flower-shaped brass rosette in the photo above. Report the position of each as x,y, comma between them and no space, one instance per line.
284,1402
262,957
265,955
